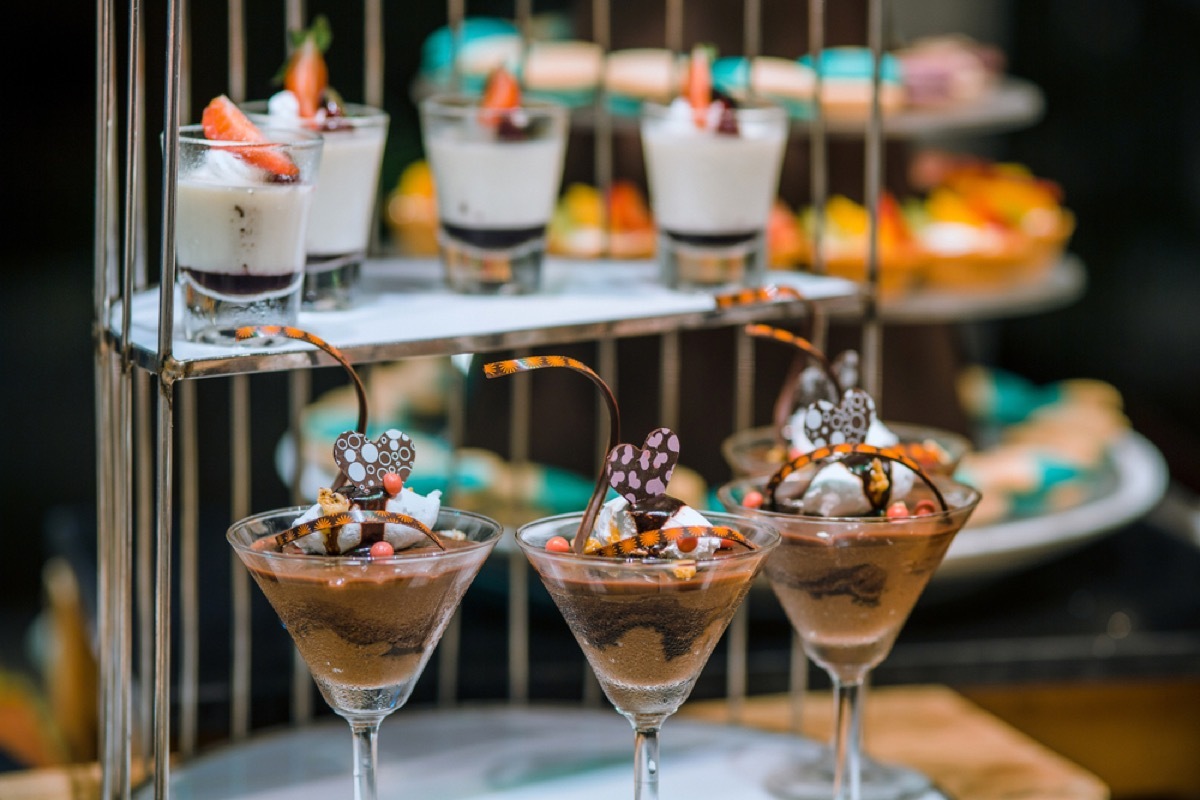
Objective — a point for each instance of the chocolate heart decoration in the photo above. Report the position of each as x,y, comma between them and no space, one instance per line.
364,463
641,472
846,423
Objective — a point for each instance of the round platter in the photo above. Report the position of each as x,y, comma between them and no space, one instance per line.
1131,483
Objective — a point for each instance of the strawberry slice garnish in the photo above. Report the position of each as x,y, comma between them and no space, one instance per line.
698,86
306,74
501,94
223,121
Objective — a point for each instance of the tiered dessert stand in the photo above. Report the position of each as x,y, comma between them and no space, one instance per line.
149,439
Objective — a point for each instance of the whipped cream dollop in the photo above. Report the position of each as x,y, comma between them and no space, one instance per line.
618,519
284,109
835,491
679,121
223,168
423,508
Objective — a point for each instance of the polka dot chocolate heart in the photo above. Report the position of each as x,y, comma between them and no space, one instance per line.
826,424
641,472
365,462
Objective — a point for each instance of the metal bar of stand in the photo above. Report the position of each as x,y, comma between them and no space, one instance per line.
670,369
602,150
299,390
105,481
818,136
162,594
293,17
738,638
164,456
239,454
673,26
236,26
239,578
518,569
373,53
103,254
189,594
447,664
606,368
144,555
872,342
751,35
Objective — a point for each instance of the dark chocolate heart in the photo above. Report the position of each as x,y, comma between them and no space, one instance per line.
641,472
846,423
365,462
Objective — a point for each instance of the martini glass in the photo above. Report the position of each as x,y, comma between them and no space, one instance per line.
365,626
647,627
847,585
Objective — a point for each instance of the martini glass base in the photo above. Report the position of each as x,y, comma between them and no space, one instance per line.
812,779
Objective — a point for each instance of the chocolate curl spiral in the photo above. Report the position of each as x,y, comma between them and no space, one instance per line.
757,294
251,331
840,452
787,392
500,369
348,517
645,540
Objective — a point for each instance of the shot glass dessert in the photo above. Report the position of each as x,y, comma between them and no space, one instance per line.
242,202
344,205
366,579
497,165
713,168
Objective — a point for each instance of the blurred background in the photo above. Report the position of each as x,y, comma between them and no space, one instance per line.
1120,135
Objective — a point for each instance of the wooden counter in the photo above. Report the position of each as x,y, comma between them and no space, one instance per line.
968,752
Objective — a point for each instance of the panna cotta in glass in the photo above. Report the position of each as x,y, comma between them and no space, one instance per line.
343,212
497,173
711,188
241,214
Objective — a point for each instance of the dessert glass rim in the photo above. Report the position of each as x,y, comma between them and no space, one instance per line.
400,557
275,135
657,564
359,114
942,436
969,500
452,104
757,108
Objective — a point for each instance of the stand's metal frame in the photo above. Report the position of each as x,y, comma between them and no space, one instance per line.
142,471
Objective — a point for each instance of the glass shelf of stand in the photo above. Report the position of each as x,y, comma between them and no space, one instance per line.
405,311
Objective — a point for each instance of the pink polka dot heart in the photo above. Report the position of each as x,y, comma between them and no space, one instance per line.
365,462
847,423
640,472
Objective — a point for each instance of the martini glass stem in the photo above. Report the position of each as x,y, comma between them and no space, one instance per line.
847,738
645,763
366,739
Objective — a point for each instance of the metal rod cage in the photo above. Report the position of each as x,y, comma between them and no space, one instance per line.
136,437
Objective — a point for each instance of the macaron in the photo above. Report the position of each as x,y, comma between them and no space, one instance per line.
781,80
638,74
484,43
564,71
846,78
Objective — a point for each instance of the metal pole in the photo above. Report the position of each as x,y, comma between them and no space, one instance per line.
872,345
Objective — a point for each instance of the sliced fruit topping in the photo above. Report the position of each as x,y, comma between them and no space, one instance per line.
501,94
223,121
306,74
698,85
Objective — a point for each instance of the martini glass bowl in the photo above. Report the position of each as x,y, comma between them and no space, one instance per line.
847,585
758,451
647,627
365,627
